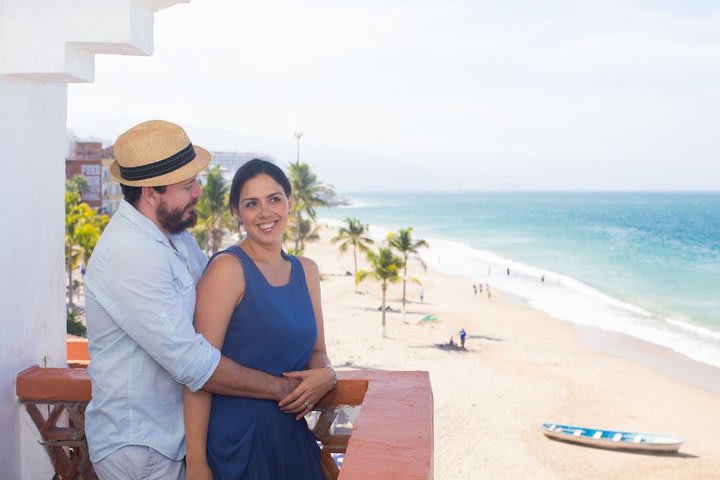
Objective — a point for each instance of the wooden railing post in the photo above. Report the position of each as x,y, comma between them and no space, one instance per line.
57,391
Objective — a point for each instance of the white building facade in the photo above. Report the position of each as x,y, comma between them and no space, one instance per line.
44,45
229,162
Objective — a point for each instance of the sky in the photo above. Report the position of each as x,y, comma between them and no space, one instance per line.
434,95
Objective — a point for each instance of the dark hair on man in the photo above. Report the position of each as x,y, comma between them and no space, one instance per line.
132,194
252,169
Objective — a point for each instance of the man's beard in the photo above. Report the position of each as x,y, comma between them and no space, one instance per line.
172,220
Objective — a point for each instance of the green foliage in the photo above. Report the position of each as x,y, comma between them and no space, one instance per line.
308,233
307,193
74,326
353,233
83,227
201,237
403,242
385,268
214,216
77,184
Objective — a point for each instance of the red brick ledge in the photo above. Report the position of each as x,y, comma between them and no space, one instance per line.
393,436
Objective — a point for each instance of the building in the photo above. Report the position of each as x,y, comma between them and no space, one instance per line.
229,162
85,159
92,161
111,190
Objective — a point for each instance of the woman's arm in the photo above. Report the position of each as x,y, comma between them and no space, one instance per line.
317,380
196,414
218,292
319,358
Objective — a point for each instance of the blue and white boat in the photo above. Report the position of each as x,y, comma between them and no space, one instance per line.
612,438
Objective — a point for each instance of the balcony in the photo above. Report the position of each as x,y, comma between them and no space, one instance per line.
391,438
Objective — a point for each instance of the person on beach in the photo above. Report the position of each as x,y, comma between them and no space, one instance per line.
422,295
487,287
474,289
462,338
139,302
262,308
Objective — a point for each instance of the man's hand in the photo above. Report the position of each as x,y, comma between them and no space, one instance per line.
286,386
314,384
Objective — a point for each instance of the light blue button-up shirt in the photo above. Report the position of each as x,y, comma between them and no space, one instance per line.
139,304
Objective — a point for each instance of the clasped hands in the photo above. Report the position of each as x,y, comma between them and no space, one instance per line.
314,384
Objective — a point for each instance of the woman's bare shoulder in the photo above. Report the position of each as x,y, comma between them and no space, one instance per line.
309,265
223,268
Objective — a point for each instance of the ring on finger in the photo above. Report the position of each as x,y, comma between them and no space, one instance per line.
307,405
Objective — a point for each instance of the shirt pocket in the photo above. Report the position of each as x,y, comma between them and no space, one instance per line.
185,288
183,281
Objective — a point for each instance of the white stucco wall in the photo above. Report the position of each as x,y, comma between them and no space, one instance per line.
43,45
32,145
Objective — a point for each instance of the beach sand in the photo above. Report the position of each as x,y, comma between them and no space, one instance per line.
522,368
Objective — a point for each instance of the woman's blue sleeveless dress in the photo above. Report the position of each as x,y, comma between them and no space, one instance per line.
273,329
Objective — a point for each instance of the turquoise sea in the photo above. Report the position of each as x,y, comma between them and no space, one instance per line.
643,264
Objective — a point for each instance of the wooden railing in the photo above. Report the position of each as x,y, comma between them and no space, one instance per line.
392,437
47,393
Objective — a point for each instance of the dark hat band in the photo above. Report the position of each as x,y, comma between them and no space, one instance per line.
156,169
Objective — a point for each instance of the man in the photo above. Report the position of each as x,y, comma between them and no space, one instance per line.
140,298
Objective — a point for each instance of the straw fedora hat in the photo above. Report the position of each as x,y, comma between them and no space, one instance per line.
156,153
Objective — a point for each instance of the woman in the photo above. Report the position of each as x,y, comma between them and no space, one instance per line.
261,307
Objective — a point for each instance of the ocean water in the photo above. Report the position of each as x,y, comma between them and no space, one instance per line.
643,264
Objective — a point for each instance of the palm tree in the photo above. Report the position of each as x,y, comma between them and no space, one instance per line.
385,268
83,227
214,217
403,242
307,193
353,233
308,232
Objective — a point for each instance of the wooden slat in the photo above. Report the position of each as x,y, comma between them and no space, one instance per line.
347,392
330,469
324,422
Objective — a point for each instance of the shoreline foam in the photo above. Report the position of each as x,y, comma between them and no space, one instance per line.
566,298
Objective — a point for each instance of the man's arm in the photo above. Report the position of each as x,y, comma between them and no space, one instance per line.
146,300
231,378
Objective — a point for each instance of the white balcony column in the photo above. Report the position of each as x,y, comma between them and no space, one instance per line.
44,44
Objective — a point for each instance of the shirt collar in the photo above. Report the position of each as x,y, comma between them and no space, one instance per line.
142,222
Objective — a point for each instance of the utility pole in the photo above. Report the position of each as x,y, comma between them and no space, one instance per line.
298,136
